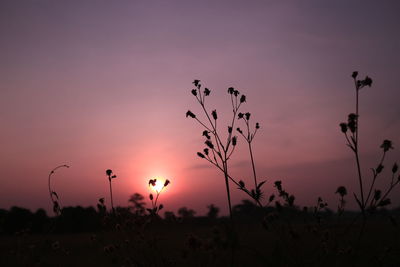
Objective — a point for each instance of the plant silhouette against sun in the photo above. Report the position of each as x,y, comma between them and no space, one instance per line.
372,198
156,208
111,176
53,195
218,150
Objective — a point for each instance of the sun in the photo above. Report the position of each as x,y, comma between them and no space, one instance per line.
159,185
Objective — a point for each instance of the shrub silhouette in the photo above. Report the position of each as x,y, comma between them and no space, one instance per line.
186,213
212,211
138,207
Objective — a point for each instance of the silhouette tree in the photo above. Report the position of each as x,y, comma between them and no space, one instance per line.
138,204
186,213
169,216
212,211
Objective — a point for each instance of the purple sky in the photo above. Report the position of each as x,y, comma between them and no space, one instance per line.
106,84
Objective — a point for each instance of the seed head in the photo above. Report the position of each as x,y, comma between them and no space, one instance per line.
214,114
209,144
234,141
386,145
343,127
190,114
342,191
200,155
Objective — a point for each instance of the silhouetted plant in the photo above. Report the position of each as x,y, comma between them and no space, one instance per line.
219,152
111,176
156,208
372,198
53,195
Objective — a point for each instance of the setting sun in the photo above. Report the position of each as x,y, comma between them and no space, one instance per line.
158,184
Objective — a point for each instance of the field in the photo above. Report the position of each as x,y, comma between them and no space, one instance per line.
304,240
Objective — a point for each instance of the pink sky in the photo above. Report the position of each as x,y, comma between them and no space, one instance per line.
100,84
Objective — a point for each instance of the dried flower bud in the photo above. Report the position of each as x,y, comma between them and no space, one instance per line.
234,141
343,127
206,151
239,130
379,168
194,92
247,115
395,167
242,99
196,82
236,93
200,155
214,114
160,207
240,115
229,129
386,145
257,125
207,91
342,191
231,90
367,81
206,134
354,75
241,184
152,182
167,182
209,144
151,196
108,172
190,114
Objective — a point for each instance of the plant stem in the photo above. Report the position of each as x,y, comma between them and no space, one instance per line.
358,159
252,165
227,188
111,195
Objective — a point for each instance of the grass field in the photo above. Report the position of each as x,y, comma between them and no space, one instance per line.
204,242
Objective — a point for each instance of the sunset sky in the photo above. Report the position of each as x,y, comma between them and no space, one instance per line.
106,84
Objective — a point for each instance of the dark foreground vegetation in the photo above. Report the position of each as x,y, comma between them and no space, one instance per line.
285,236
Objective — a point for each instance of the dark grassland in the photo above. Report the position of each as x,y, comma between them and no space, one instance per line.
295,238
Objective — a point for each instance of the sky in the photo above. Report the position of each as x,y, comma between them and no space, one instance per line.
106,84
